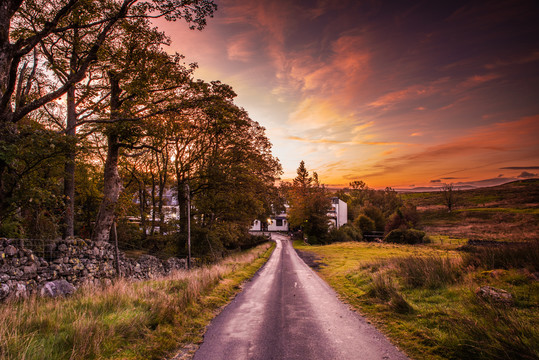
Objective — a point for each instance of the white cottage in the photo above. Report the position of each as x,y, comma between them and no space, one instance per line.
338,217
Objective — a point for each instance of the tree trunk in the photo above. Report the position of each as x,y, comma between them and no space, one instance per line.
69,168
111,191
113,183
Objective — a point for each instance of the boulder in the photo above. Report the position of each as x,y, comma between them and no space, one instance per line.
10,250
4,291
492,294
57,288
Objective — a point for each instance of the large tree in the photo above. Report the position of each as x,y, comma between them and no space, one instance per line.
26,27
309,205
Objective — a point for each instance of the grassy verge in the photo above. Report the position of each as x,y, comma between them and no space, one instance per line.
143,320
424,298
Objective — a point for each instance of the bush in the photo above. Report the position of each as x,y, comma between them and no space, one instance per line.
407,236
406,217
376,215
344,234
365,223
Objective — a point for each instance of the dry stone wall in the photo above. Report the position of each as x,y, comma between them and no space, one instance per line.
67,264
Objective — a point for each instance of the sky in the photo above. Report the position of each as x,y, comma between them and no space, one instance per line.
395,93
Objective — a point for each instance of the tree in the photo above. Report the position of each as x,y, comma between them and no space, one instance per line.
309,205
143,82
26,26
449,196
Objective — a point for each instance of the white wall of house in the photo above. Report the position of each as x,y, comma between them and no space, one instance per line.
278,224
257,226
339,212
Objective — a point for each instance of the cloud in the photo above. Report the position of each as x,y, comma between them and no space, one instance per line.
520,168
436,181
327,141
526,175
241,48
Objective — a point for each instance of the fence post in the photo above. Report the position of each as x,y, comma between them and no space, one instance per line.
116,250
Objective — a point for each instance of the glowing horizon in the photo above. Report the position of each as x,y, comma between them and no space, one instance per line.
394,95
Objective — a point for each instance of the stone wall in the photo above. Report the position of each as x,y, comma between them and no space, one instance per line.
74,261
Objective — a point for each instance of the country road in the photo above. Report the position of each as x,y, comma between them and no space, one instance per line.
288,312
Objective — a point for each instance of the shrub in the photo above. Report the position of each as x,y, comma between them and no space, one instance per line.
376,215
407,236
344,234
430,272
406,217
365,223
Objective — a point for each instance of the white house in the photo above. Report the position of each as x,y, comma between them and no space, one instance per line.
338,213
338,217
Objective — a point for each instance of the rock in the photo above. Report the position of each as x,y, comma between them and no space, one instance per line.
57,288
492,294
4,291
30,270
10,250
62,247
20,290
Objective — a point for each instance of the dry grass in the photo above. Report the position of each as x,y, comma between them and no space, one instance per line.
144,320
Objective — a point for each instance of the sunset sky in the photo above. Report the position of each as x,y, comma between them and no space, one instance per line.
394,93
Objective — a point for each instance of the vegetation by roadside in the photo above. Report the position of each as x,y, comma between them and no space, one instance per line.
426,298
143,320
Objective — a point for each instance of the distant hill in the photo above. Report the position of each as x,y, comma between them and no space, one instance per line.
515,194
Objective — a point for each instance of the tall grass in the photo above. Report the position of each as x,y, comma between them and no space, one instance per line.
428,271
490,332
505,256
383,288
144,320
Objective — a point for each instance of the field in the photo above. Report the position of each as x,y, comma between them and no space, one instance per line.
507,212
430,299
140,320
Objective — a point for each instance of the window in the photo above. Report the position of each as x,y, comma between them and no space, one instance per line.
279,222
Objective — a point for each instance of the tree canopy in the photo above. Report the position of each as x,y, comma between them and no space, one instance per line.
134,128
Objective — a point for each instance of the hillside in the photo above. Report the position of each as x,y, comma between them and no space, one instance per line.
506,212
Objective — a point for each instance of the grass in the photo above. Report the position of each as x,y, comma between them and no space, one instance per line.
423,297
141,320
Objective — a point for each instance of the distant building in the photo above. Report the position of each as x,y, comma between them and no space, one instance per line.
338,217
338,213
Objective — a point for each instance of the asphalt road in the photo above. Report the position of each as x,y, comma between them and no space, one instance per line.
288,312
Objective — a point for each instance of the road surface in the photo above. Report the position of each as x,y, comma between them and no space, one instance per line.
288,312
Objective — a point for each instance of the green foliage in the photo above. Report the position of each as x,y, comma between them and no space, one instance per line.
405,217
344,233
376,214
365,223
30,181
406,236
